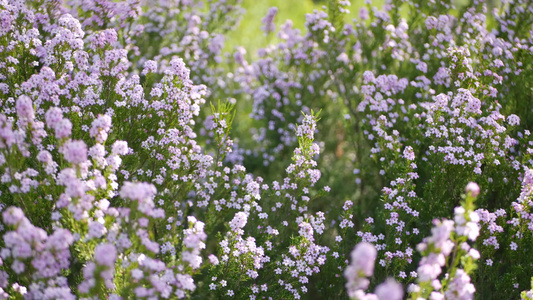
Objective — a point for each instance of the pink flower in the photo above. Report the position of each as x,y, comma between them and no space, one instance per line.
63,128
150,66
213,259
44,157
513,120
473,189
75,152
53,116
25,108
239,221
100,128
13,215
120,148
363,257
138,191
409,153
389,290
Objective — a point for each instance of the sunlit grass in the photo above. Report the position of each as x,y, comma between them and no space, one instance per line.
249,35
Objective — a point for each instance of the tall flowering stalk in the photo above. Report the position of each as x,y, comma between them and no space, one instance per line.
448,248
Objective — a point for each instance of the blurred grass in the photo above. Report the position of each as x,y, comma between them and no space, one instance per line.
249,34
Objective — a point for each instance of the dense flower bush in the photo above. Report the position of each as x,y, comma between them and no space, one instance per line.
388,157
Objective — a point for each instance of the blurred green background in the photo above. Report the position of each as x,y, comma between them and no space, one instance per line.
249,34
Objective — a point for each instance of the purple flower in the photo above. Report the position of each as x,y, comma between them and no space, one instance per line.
100,128
63,128
44,157
53,116
120,148
362,265
460,287
513,120
138,191
268,20
239,221
25,108
13,215
105,255
150,66
177,67
408,153
473,189
75,152
389,290
213,259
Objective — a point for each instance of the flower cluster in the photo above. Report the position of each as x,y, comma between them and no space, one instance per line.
117,181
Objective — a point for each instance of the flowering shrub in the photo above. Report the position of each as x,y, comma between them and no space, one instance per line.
118,181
